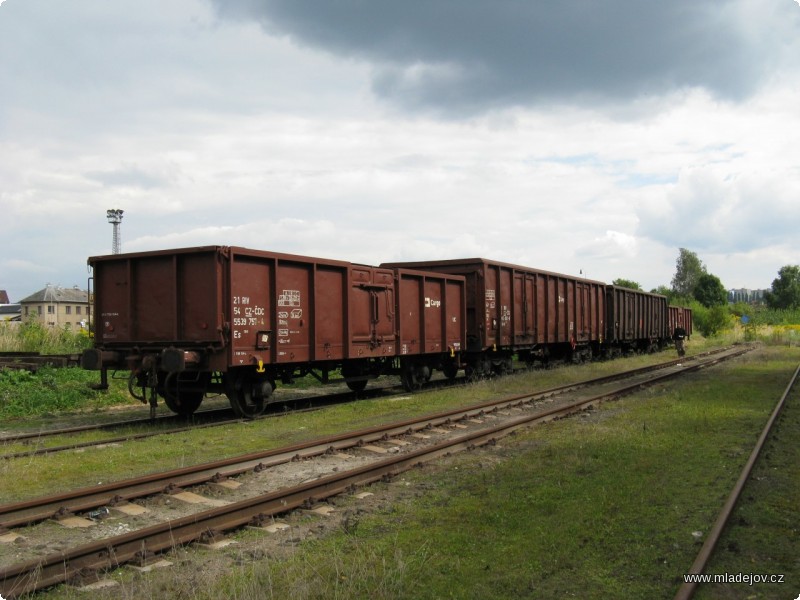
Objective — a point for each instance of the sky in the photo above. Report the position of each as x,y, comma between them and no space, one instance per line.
583,137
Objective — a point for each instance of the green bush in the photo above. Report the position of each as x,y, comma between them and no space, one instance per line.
51,390
710,322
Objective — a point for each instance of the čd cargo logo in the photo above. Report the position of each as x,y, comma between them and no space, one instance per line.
432,303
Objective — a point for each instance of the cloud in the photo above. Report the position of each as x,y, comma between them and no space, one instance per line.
712,210
472,55
613,246
600,136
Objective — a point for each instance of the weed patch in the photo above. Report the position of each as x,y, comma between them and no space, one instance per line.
49,391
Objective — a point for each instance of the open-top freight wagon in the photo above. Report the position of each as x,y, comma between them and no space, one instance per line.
226,319
190,321
543,316
537,315
637,321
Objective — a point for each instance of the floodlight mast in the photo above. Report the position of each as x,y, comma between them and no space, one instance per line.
114,216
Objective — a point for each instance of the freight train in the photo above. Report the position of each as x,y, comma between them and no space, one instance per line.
222,319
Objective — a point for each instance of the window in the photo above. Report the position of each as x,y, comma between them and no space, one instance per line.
68,310
50,309
39,308
77,310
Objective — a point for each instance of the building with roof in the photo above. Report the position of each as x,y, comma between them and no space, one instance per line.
10,312
58,307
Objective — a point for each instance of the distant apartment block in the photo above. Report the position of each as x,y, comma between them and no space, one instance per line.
746,296
57,307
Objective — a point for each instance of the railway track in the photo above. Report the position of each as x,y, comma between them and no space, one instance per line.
33,361
688,588
207,418
161,424
413,442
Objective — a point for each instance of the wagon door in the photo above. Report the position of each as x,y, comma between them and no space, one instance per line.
524,298
371,312
584,316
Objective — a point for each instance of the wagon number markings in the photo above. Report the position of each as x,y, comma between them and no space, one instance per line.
246,315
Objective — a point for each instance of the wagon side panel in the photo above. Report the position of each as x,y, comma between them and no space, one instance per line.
455,315
329,314
434,306
112,302
409,302
250,307
159,298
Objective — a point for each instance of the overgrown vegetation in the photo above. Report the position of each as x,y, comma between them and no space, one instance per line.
24,394
49,390
32,336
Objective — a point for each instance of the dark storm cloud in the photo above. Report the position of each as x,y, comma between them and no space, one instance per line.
474,54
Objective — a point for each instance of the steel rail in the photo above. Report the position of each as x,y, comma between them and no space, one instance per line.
210,415
687,589
112,552
147,434
28,435
214,412
34,510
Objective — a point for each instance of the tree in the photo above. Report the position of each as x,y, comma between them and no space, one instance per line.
785,289
709,291
688,269
626,283
664,290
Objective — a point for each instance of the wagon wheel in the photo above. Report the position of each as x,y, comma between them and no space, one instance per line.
409,381
356,385
450,369
182,398
241,393
414,376
356,375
